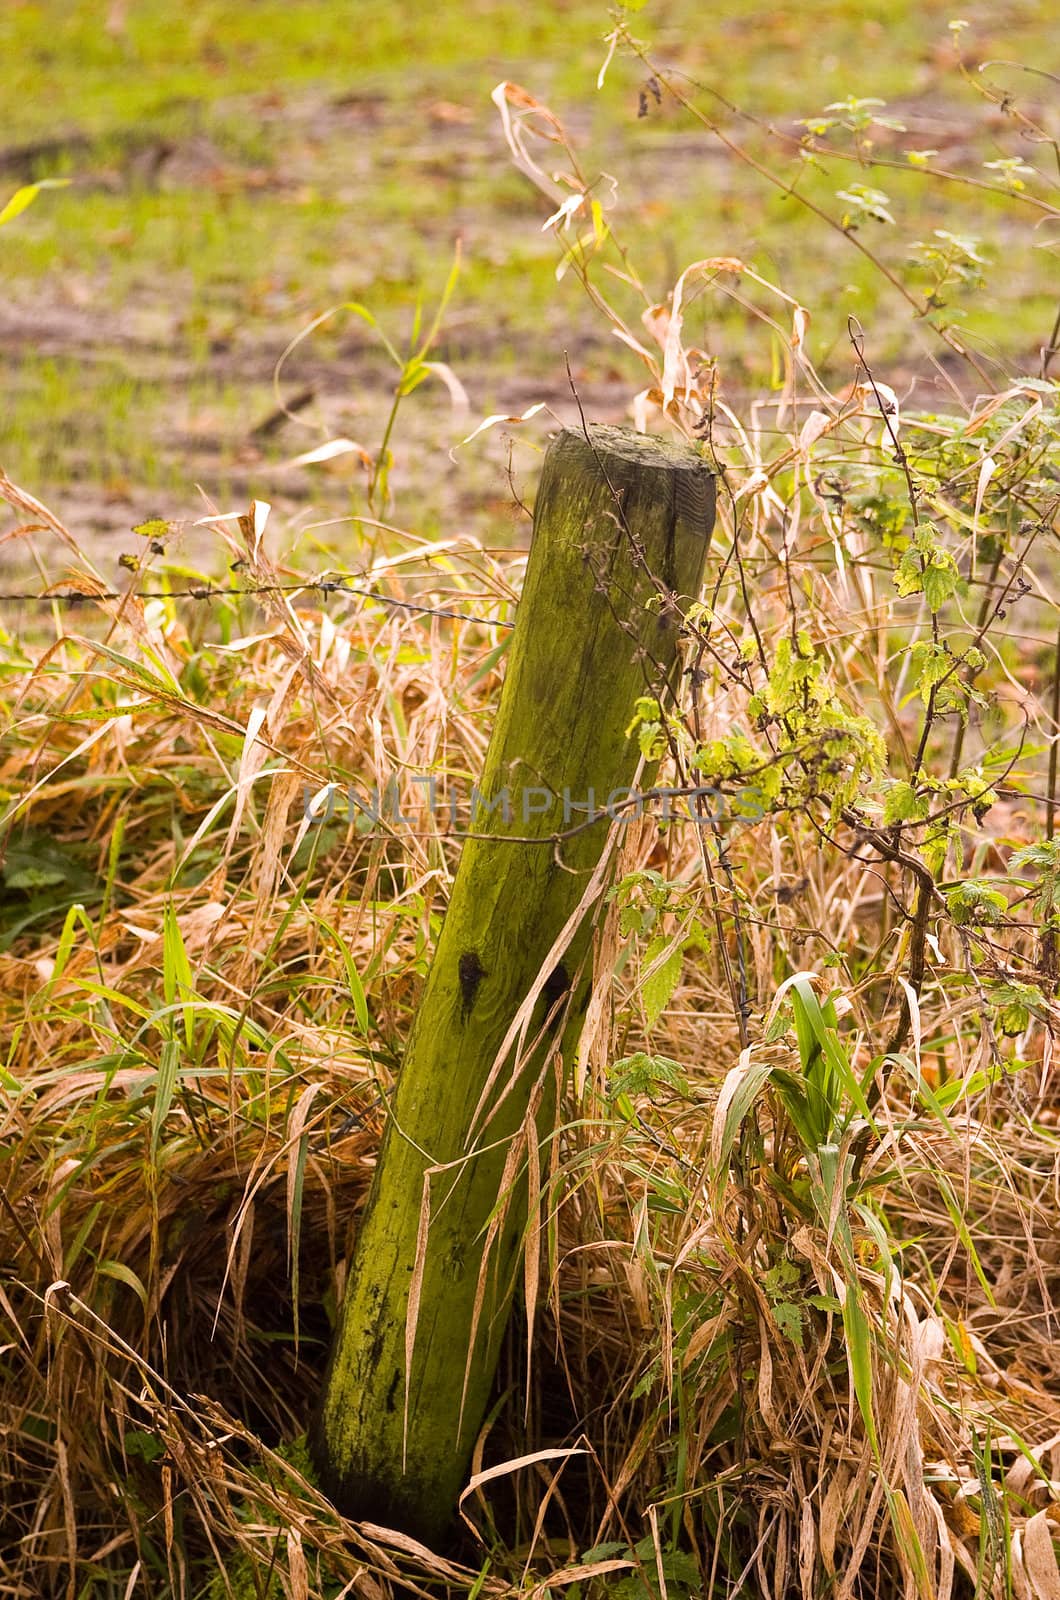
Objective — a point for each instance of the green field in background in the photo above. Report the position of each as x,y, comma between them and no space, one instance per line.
237,168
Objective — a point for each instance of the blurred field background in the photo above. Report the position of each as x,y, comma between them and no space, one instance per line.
239,169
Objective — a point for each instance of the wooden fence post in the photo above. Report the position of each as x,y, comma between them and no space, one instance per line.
621,529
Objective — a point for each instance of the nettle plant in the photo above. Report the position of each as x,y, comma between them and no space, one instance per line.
863,906
875,661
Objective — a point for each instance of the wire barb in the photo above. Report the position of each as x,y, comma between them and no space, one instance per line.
323,586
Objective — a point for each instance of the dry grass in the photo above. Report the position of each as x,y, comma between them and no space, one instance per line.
794,1333
193,1077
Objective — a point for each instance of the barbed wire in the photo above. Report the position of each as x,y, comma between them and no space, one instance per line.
324,586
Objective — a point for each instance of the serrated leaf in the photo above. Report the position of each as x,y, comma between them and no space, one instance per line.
824,1302
975,902
658,987
788,1317
904,804
153,528
640,1073
941,580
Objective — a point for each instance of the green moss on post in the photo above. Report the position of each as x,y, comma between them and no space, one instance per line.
621,529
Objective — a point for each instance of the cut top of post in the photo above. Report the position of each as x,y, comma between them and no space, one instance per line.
623,455
638,509
642,449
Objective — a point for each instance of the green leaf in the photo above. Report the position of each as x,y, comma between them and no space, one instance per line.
780,1024
603,1552
927,568
957,1217
824,1302
358,310
750,1079
165,687
36,863
123,1274
787,1315
32,875
640,1073
834,1057
904,804
859,1358
165,1084
975,902
490,662
26,195
153,528
177,980
353,978
114,997
1016,1003
941,579
74,917
658,988
776,1280
645,1384
803,1106
865,203
143,1446
1044,854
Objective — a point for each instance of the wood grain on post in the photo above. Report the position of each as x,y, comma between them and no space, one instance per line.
621,529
